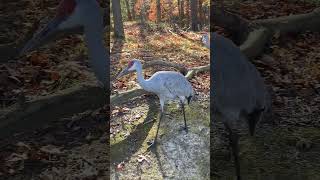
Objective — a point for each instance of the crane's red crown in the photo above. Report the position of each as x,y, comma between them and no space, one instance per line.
130,63
66,8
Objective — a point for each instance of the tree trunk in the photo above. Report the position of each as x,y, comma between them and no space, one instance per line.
182,12
143,13
133,4
187,11
170,12
194,15
117,19
158,11
201,15
179,7
128,10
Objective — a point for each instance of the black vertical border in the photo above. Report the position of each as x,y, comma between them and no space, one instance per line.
211,86
108,88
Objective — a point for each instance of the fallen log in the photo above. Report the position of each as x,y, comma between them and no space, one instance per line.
264,30
37,112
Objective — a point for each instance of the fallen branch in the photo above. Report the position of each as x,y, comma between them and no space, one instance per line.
237,25
194,71
149,64
179,67
255,42
263,30
293,23
52,107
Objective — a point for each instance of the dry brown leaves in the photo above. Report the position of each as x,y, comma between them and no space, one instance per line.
254,10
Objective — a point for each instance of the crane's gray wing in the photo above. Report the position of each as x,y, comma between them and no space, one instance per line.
177,85
236,82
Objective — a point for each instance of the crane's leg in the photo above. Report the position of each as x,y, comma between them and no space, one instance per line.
184,117
234,143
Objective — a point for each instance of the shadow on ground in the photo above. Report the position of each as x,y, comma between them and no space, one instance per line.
178,155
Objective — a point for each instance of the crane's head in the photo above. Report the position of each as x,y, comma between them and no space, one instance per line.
70,14
206,40
133,65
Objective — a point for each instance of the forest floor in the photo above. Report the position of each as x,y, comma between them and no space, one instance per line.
287,145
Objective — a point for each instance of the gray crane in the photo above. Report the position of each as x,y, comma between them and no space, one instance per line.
79,13
239,93
167,85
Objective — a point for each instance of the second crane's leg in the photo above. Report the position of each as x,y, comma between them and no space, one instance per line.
184,117
234,143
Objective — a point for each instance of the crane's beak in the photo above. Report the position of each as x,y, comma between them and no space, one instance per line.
123,72
49,29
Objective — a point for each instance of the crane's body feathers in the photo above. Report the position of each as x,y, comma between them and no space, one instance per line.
170,85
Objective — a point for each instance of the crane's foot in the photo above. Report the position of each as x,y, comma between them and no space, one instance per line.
152,144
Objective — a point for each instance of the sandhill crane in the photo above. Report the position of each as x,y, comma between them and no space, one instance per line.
79,13
239,93
167,85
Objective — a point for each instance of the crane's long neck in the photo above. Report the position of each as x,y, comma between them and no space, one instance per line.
97,52
142,82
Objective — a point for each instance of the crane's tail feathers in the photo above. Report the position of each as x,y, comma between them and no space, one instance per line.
189,99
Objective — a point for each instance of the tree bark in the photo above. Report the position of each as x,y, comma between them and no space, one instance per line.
133,11
179,8
170,12
201,16
182,12
158,11
194,15
117,19
128,10
188,11
143,13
